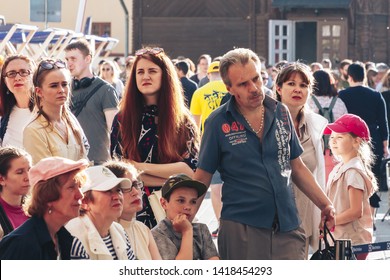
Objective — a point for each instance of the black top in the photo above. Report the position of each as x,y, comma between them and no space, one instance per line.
32,241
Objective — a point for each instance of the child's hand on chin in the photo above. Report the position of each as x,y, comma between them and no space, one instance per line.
181,224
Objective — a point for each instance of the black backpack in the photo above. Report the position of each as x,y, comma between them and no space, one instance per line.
326,112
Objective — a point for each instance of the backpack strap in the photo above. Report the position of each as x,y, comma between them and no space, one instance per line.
332,103
78,110
320,109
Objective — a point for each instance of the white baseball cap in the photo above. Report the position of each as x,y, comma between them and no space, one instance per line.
101,179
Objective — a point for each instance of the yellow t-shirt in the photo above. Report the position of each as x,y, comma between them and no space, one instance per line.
206,99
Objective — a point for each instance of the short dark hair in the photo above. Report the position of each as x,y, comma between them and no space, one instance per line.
183,66
356,72
82,45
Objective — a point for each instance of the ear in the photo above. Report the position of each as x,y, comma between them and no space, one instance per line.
229,89
357,142
88,59
278,88
164,203
38,92
2,179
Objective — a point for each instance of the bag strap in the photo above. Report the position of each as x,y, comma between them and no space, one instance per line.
317,104
332,103
92,92
327,232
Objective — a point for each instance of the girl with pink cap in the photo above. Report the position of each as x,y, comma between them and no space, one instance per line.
351,182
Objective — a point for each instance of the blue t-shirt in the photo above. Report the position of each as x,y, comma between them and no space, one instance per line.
256,175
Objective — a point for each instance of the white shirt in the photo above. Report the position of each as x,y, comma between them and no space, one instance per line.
18,120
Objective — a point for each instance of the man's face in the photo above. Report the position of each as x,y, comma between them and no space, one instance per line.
246,85
78,64
344,71
203,65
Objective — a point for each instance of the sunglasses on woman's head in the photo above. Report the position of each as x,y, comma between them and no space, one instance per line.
153,51
48,65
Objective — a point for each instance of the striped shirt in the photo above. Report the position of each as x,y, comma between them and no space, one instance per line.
78,251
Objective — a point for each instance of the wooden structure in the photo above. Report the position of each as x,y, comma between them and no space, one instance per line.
276,29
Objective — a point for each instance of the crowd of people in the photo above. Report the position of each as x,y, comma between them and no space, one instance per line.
82,153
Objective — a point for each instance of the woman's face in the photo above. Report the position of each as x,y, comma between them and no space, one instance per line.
132,202
68,205
107,71
107,205
54,90
148,78
294,92
16,180
18,84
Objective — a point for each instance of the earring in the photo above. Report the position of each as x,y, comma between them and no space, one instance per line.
8,92
50,211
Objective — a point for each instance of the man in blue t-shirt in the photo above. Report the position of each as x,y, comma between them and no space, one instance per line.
252,142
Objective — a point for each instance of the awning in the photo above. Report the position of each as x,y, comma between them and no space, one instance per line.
311,4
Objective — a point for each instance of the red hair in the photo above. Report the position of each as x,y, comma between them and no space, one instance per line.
173,118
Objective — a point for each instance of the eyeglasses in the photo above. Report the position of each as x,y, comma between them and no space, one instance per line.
106,69
22,73
136,184
149,51
48,65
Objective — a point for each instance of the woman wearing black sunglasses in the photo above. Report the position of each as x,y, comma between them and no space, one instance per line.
16,100
154,129
54,131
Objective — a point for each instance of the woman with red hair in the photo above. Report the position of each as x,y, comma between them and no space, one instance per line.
153,129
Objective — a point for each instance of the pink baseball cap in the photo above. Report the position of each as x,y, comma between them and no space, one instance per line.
51,167
349,123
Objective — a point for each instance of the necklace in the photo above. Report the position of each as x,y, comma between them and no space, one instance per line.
261,123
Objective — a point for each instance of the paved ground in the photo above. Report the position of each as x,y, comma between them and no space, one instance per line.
206,215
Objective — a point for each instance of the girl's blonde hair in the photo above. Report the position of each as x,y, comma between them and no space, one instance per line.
366,154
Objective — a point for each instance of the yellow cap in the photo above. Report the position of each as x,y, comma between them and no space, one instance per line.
214,67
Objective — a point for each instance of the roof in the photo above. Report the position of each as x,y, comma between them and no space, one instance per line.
328,4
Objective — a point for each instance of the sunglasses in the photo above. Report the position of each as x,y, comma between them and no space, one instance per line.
153,51
48,65
22,73
106,69
136,184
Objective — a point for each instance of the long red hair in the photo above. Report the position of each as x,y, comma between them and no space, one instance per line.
175,124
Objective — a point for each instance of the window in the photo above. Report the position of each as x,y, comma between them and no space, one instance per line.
331,44
101,29
45,10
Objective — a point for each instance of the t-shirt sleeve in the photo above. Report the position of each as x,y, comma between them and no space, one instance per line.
166,247
195,107
109,99
209,250
354,179
209,148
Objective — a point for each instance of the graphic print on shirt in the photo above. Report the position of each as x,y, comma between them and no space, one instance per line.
282,136
214,99
235,133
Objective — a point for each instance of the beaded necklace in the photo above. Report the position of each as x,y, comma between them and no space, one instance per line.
261,123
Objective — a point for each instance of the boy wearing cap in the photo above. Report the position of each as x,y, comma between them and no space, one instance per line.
97,235
176,237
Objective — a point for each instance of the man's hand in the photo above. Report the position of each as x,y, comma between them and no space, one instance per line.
328,216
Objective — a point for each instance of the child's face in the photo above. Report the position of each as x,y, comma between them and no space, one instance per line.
343,145
182,201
